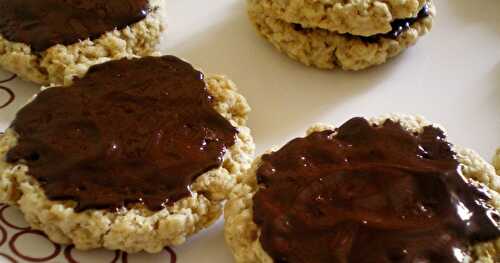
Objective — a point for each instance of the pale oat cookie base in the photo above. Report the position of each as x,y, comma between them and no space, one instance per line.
135,229
356,17
59,64
242,234
327,50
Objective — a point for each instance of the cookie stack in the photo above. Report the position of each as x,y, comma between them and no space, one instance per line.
352,34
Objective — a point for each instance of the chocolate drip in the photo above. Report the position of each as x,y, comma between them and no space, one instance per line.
45,23
131,131
368,194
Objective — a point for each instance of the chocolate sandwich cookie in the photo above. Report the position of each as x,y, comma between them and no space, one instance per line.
325,49
389,189
53,41
355,17
137,155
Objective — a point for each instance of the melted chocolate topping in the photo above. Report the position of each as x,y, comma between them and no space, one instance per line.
131,131
368,194
45,23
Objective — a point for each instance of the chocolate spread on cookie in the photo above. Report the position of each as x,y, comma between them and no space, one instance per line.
45,23
131,131
370,194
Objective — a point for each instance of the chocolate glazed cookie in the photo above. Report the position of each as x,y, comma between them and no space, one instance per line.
53,41
137,155
387,190
45,23
370,194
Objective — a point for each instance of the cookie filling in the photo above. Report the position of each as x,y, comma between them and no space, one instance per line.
399,26
370,194
45,23
129,132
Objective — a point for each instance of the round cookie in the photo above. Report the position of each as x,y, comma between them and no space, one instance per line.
361,18
327,50
44,63
243,234
92,220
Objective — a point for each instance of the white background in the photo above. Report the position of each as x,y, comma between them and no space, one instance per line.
452,77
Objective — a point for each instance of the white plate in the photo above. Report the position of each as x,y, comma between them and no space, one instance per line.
452,77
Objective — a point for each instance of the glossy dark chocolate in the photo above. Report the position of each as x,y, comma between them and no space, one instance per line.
45,23
131,131
368,194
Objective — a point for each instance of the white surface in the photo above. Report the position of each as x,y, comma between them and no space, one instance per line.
452,77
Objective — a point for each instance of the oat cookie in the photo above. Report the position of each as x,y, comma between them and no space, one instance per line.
243,234
134,227
327,50
361,18
60,63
